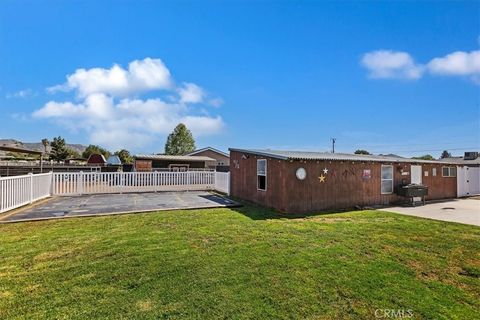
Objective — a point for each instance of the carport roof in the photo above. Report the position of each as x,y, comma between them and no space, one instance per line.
171,158
310,155
20,150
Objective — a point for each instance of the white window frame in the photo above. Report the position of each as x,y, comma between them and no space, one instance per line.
449,172
381,178
264,175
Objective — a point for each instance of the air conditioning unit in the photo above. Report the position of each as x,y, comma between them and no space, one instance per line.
470,155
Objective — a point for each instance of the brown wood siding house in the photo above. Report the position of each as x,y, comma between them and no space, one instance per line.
222,159
145,163
96,159
341,181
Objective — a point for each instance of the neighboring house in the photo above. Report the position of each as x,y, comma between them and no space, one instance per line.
160,162
77,161
114,160
222,159
303,182
468,173
471,159
114,164
96,159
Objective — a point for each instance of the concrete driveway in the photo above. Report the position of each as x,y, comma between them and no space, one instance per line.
105,204
465,211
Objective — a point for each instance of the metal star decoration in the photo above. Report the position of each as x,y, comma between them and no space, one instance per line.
325,171
321,178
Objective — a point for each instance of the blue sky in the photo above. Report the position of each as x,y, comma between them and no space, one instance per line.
399,77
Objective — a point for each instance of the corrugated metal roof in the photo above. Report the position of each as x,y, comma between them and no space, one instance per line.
310,155
172,158
114,160
20,150
461,160
208,148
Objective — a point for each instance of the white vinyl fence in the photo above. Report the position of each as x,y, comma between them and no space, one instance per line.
21,190
120,182
222,182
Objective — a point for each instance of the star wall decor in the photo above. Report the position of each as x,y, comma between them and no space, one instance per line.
322,178
325,171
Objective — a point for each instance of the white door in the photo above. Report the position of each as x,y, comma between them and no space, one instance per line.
416,177
462,184
416,174
473,180
468,181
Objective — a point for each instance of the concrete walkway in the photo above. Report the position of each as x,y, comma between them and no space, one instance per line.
106,204
465,211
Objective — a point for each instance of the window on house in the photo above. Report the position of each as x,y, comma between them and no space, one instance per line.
434,172
449,171
387,180
262,174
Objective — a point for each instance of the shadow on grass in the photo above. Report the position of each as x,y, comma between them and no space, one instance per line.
257,212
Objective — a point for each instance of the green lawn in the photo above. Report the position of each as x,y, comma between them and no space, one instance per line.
239,263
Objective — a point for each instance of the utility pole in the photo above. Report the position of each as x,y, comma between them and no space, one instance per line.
333,144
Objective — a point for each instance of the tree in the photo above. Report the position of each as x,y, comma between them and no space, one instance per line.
59,151
124,156
425,157
445,154
45,143
73,153
180,141
361,151
91,149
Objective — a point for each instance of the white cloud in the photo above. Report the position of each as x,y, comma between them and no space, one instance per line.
20,94
128,123
384,64
191,93
458,63
141,75
216,102
108,113
203,124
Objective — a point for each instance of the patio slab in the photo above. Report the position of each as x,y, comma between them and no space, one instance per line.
106,204
465,211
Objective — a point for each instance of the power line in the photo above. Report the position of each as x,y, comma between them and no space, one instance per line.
427,150
405,145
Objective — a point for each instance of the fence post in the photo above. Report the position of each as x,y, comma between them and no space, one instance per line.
214,179
228,183
52,183
31,187
80,183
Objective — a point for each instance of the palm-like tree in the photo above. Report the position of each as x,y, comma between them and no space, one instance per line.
45,143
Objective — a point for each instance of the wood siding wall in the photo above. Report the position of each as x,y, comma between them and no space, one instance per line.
220,158
243,181
344,186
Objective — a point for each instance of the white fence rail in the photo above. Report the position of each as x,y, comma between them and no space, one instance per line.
120,182
21,190
222,182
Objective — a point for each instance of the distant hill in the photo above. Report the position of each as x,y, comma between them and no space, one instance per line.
36,145
391,155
